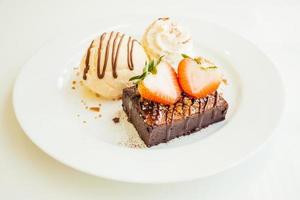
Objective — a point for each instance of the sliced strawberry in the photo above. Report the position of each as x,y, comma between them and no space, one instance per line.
161,86
198,79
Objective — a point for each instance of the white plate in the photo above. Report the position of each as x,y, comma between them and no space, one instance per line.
47,109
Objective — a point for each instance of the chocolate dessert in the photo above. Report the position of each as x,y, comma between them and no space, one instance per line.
157,123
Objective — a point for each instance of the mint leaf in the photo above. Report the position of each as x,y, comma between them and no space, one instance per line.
154,70
185,56
151,64
159,60
149,68
136,77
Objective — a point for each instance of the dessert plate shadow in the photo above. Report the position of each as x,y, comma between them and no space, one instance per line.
57,112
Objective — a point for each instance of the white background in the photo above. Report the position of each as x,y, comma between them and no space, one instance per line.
28,173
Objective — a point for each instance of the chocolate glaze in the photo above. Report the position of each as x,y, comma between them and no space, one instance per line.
116,44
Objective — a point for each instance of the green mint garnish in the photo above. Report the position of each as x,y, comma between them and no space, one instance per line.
185,56
149,68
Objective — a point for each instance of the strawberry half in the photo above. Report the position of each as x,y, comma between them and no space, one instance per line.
198,77
159,83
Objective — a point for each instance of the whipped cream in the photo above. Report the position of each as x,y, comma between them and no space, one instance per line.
166,38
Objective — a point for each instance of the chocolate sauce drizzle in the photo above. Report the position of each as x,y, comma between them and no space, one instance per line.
186,124
129,52
99,55
201,110
185,107
203,102
168,131
87,60
216,98
116,44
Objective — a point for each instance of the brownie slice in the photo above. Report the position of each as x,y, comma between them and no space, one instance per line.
157,123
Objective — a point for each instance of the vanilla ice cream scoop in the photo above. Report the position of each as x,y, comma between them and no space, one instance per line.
110,61
166,38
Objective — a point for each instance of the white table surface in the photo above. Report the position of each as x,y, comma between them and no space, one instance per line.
28,173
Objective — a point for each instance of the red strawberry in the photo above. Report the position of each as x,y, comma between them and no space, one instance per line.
161,86
198,77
